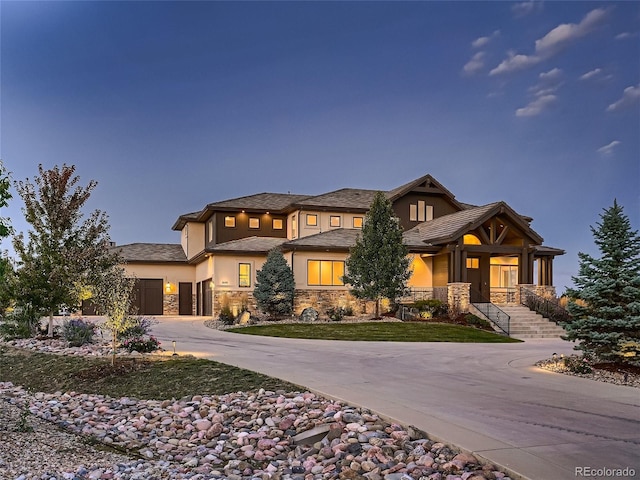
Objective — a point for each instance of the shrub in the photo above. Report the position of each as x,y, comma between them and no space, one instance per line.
141,345
138,328
226,316
348,311
78,332
23,322
336,313
578,364
432,307
475,321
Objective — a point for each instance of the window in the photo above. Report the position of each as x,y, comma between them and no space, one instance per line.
254,222
244,275
335,221
312,220
357,222
294,226
504,275
230,221
420,212
325,272
277,224
210,230
473,263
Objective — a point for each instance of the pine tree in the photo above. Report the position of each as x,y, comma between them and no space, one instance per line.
275,286
605,304
378,266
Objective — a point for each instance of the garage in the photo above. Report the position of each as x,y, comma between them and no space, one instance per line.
148,296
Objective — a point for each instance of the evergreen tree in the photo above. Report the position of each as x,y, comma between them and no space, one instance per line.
5,196
605,303
64,252
378,266
275,286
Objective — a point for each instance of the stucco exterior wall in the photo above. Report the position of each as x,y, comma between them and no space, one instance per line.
299,260
172,274
422,272
192,239
226,273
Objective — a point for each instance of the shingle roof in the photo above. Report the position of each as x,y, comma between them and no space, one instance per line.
345,199
259,201
248,245
340,238
152,252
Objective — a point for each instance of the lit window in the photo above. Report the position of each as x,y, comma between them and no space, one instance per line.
210,230
471,239
312,220
357,222
473,263
277,224
230,221
254,222
335,221
244,275
294,226
325,272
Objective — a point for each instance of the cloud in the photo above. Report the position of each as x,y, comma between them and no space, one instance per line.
523,9
475,64
591,74
552,75
483,41
537,106
552,43
630,96
607,150
625,35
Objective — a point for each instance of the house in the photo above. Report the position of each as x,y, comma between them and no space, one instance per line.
460,253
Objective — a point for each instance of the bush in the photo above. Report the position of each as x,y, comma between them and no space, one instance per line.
578,364
431,308
348,311
336,313
475,321
78,332
141,345
23,322
138,328
226,316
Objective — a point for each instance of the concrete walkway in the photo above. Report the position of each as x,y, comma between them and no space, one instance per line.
484,398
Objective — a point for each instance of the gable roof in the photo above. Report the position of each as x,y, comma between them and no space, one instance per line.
426,183
151,253
450,227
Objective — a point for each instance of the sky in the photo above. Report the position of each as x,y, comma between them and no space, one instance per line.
173,105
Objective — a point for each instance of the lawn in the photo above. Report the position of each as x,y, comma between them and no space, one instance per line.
377,331
155,378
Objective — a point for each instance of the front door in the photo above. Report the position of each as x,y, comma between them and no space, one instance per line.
185,298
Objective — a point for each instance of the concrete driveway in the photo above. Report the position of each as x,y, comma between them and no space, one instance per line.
484,398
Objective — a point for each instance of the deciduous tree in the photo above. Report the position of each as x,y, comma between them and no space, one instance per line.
606,322
64,251
378,266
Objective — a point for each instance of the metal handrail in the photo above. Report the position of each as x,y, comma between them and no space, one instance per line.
546,307
493,313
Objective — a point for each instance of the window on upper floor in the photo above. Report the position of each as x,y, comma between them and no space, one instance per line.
294,226
277,224
312,220
335,221
357,222
325,272
210,230
420,211
254,223
230,221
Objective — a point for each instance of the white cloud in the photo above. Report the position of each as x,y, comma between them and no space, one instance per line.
525,8
552,75
537,106
590,74
483,41
475,64
625,35
552,43
607,150
630,96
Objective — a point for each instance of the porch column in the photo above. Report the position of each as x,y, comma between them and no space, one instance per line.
458,296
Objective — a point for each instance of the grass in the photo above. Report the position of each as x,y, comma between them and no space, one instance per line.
160,378
378,331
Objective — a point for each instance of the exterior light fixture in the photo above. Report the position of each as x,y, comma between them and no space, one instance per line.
554,357
174,348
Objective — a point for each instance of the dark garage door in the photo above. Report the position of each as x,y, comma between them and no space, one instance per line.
148,296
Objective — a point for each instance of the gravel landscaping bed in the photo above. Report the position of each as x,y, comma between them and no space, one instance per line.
629,376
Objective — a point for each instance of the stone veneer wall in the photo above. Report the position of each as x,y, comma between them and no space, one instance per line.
458,296
322,300
235,300
544,291
170,304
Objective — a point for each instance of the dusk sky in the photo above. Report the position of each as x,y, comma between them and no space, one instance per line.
173,105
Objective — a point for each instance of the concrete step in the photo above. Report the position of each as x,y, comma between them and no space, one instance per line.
525,323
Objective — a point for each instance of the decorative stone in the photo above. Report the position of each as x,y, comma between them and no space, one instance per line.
309,315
